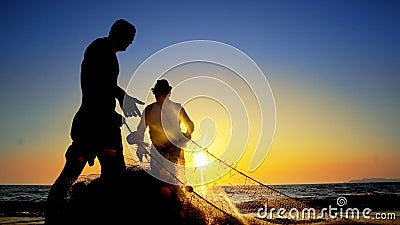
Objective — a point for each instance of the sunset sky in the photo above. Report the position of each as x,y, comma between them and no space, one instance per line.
333,68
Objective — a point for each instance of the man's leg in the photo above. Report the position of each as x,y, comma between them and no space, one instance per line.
72,169
112,158
112,164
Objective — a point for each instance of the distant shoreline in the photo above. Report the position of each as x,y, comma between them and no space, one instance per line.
374,180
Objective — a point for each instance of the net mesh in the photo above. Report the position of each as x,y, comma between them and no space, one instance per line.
240,199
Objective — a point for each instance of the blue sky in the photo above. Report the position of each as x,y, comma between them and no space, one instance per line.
348,50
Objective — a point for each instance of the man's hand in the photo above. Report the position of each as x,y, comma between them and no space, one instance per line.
129,106
142,151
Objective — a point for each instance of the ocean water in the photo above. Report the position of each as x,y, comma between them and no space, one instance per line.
29,200
323,191
22,193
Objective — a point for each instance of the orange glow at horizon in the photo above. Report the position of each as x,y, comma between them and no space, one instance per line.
319,139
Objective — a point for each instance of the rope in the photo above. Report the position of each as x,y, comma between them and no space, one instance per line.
243,174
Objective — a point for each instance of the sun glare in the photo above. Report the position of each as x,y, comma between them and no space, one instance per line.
200,158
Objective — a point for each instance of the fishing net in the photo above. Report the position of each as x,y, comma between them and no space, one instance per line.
238,198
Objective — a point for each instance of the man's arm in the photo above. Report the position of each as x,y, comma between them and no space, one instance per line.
137,137
119,94
188,122
141,128
127,103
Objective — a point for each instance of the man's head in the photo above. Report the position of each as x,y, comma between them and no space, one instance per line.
122,34
161,90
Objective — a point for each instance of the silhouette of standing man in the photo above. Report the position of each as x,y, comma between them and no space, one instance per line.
95,130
